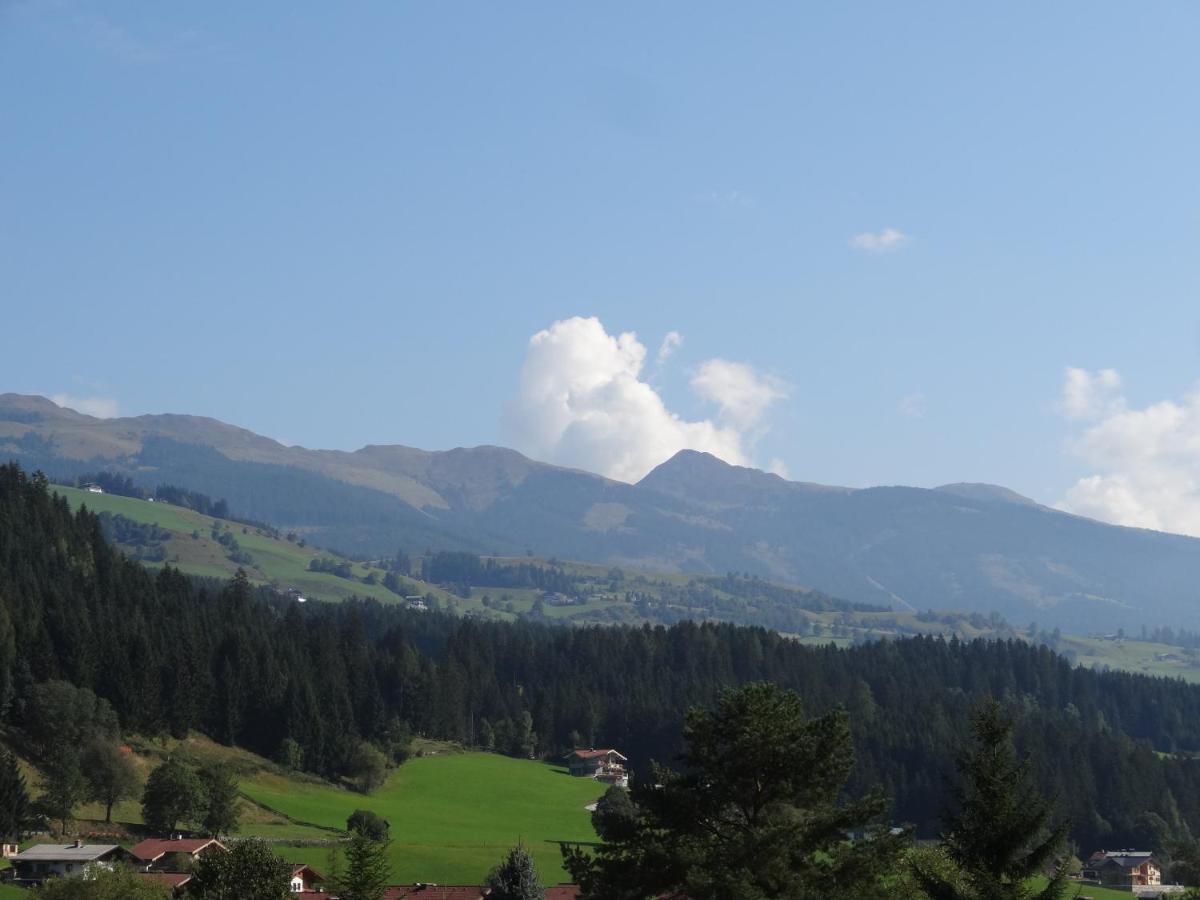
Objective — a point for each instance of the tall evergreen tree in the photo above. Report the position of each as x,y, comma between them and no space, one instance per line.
1000,837
14,798
516,878
753,814
366,873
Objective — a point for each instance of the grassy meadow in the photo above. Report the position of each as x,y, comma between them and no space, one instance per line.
453,816
277,561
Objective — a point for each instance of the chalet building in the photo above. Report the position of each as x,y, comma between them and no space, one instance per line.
605,765
1123,868
42,861
174,854
306,881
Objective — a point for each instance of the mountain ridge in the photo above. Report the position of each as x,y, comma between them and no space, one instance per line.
970,547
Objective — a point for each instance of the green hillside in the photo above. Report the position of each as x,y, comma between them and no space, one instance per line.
192,547
452,816
599,594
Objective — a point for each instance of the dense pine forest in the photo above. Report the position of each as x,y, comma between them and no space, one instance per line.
171,653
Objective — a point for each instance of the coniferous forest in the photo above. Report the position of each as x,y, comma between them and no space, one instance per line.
170,653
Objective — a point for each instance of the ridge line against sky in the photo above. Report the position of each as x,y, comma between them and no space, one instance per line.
861,244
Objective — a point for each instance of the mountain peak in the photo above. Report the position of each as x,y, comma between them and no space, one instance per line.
993,493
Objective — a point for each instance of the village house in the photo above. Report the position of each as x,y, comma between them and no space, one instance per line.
305,881
173,854
1123,868
42,861
605,765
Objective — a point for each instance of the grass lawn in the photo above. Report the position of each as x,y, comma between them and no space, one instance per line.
9,892
452,817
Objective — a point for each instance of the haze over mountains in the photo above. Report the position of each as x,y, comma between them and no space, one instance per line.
966,547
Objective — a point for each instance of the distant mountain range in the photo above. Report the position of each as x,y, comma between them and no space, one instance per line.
968,547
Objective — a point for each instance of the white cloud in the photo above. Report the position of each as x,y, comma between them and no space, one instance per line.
1145,462
879,242
912,406
100,407
672,342
1086,395
582,402
778,467
740,392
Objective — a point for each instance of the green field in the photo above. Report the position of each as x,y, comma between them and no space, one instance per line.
452,816
277,561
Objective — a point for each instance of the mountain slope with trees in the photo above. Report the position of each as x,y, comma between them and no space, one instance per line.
168,654
973,548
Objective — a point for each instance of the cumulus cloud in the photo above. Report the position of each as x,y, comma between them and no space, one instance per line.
741,393
879,241
1088,395
582,402
100,407
1145,462
672,342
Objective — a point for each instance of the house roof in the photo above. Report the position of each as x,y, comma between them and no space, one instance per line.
157,848
563,892
65,852
170,879
593,754
434,892
1129,860
314,875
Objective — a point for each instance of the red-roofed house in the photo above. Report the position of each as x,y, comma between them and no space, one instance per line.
166,855
604,765
304,879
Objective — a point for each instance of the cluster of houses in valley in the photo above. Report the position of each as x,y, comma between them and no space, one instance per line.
168,861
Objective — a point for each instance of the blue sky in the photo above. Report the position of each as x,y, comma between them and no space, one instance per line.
340,225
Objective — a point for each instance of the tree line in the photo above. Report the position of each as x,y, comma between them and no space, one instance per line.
334,688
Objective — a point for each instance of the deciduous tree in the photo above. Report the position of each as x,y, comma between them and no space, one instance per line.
249,871
173,794
111,775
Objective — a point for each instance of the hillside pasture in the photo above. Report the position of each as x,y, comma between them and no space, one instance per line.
452,816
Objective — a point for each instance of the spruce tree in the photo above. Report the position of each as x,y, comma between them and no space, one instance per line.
366,873
516,878
14,798
754,814
1000,837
